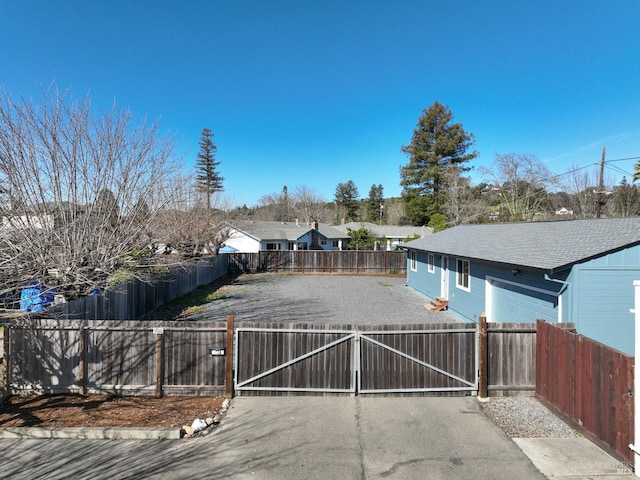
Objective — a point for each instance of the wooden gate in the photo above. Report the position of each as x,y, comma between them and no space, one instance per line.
347,360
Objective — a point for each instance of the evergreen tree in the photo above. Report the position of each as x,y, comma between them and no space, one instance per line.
436,146
374,204
626,200
347,197
284,204
360,239
208,179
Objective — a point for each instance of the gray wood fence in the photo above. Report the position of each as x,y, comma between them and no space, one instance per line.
320,261
294,359
134,299
511,358
119,357
174,358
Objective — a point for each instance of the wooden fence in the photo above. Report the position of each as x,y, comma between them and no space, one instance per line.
589,383
393,359
134,299
321,261
511,358
126,358
174,358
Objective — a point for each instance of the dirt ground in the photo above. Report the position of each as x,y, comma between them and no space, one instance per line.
105,411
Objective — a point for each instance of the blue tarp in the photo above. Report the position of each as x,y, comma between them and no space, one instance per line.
36,297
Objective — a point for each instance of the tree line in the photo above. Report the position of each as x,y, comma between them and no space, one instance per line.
89,198
437,190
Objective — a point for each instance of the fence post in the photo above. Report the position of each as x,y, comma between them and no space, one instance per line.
82,361
7,357
159,364
482,357
229,358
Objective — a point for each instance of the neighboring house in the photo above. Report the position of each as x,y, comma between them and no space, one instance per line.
23,222
393,236
564,211
257,236
579,271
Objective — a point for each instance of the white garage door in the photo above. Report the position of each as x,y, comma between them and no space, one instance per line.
516,303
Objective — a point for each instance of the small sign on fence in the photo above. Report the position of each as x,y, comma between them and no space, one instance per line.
158,330
217,351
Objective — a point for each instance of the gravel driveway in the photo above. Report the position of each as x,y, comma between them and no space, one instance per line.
357,300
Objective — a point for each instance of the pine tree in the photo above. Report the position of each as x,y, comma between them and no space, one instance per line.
347,197
374,204
208,179
436,146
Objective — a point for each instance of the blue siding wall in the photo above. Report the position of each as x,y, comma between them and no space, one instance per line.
596,296
602,294
468,305
424,282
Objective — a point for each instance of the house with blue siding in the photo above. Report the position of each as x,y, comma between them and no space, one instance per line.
579,271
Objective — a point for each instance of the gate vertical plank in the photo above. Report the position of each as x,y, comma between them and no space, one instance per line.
228,377
483,341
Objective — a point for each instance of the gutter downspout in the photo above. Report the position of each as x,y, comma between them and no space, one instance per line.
565,286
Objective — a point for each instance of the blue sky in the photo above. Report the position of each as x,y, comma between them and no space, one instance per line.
318,93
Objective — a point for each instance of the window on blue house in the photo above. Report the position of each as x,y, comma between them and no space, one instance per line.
414,262
430,263
462,275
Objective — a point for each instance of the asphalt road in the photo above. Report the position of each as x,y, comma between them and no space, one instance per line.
289,438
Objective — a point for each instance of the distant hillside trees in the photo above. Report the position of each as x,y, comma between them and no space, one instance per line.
437,145
626,200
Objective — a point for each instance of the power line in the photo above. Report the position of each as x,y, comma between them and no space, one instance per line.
623,159
618,169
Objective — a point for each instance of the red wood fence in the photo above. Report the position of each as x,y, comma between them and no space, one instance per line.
589,383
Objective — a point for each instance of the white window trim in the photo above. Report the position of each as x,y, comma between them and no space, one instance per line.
458,275
431,263
414,261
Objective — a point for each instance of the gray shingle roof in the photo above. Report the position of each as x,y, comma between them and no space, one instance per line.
388,231
544,245
290,231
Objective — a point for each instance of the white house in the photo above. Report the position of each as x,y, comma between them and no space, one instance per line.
256,236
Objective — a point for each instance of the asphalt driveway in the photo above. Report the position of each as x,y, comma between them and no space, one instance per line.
291,438
357,300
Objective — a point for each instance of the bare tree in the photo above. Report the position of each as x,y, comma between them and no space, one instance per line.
82,190
191,223
462,205
582,186
523,181
310,205
302,202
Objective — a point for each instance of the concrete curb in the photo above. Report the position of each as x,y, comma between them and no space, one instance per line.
572,458
91,433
